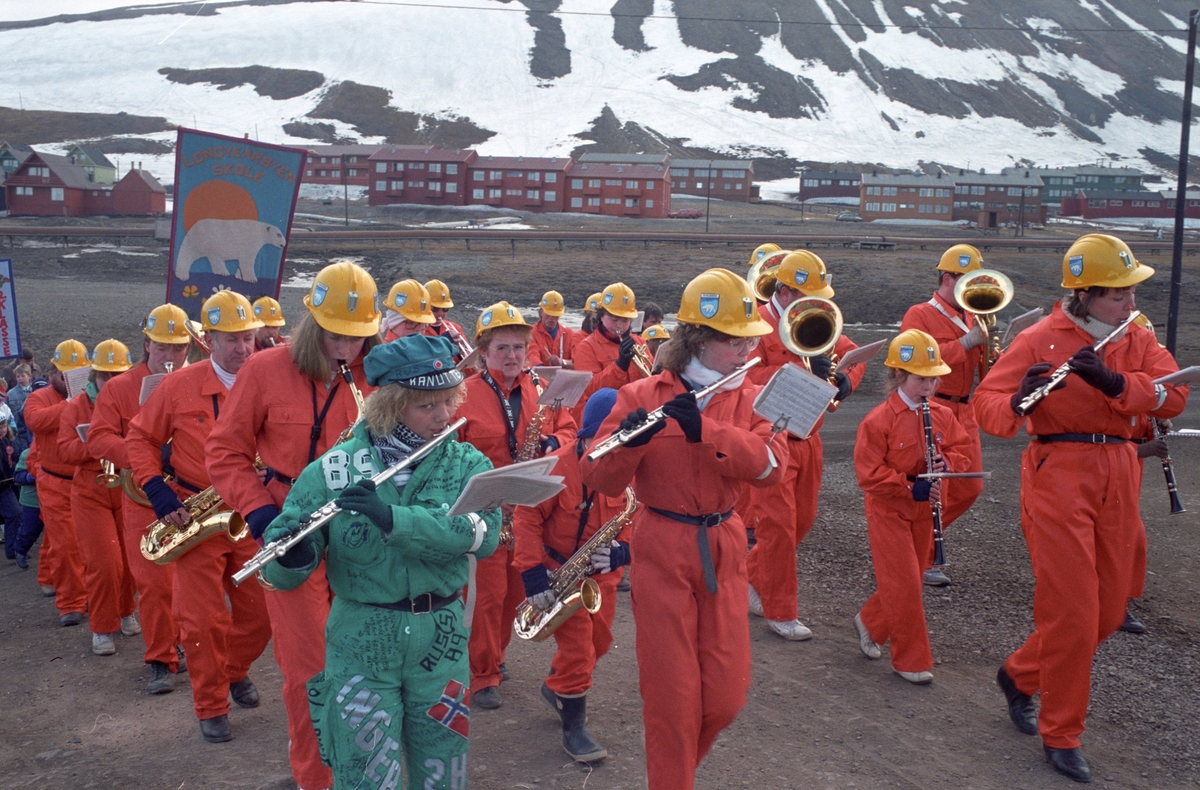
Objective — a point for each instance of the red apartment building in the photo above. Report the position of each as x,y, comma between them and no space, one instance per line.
429,176
1097,204
522,183
619,190
330,164
724,179
906,196
993,199
819,184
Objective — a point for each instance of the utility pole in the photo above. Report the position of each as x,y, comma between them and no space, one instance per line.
1181,189
802,172
345,191
708,201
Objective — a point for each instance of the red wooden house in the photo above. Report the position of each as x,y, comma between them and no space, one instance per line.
47,185
138,193
619,190
338,164
429,176
519,182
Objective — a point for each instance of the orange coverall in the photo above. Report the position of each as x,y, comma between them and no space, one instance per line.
959,494
597,353
584,637
98,526
782,515
1079,506
270,412
693,646
889,449
47,566
221,641
498,582
115,407
562,346
43,408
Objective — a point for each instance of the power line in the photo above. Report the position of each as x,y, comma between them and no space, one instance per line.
1056,30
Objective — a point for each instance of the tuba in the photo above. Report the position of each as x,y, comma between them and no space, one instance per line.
572,587
810,327
984,293
761,276
164,543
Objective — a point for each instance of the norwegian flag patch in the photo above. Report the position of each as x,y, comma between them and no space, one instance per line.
453,710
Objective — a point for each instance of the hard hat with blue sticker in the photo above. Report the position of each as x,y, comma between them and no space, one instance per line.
1075,264
906,353
318,296
214,316
709,304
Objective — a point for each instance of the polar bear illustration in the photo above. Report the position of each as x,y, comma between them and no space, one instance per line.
221,240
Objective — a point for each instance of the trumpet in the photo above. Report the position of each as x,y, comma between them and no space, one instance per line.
619,437
324,514
108,477
197,334
1064,370
456,337
641,358
761,276
984,293
810,327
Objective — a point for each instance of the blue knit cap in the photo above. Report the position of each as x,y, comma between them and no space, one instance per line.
418,362
597,409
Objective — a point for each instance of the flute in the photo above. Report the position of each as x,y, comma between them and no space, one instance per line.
939,553
1064,370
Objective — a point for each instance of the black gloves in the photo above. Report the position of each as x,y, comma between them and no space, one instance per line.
162,498
303,553
361,498
258,519
635,418
921,490
1092,369
625,354
548,444
820,366
844,386
1035,378
682,408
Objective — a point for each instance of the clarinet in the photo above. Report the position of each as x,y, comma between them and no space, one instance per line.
1168,472
939,553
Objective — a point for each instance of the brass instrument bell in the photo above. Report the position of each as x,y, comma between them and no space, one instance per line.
761,276
984,293
810,327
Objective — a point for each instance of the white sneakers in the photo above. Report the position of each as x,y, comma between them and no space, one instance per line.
103,644
792,630
131,626
922,678
869,648
755,602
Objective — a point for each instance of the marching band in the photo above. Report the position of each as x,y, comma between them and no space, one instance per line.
390,611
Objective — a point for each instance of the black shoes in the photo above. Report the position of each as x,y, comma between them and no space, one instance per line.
161,679
1132,625
23,561
1069,762
1020,706
70,618
487,698
216,729
503,672
577,741
244,693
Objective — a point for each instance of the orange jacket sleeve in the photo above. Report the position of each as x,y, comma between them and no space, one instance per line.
149,431
71,448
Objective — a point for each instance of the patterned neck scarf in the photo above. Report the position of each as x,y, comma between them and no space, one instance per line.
394,448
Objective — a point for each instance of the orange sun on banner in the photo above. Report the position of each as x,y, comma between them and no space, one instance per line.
217,200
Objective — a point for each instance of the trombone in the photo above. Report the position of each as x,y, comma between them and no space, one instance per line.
810,327
984,293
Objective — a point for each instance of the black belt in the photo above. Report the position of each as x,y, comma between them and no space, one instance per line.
1084,438
954,398
422,604
275,474
56,474
179,481
703,522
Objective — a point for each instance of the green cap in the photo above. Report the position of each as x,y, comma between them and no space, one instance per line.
418,362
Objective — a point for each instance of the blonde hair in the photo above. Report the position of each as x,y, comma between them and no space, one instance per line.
485,338
385,406
308,349
686,342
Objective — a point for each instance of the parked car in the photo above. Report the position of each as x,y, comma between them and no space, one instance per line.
849,216
686,213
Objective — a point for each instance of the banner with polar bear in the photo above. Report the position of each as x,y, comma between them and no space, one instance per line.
234,201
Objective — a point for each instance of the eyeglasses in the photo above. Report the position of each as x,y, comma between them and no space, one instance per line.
741,344
504,351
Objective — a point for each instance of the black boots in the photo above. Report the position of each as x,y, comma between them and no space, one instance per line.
1069,762
577,741
1020,706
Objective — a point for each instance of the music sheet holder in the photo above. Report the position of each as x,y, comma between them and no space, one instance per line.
794,400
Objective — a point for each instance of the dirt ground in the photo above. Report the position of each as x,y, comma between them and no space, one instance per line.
818,716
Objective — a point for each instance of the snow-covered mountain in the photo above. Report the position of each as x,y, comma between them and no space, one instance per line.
979,83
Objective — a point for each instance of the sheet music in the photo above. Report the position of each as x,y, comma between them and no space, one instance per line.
82,430
566,388
635,326
76,380
149,385
1020,324
1190,375
797,396
861,355
546,372
526,483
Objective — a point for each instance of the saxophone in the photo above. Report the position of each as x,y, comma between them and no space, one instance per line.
530,444
571,585
344,369
165,543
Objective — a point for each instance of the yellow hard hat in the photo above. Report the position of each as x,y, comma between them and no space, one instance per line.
498,315
344,300
268,311
720,299
166,324
656,332
228,311
411,300
618,300
762,251
70,355
439,295
552,303
917,352
960,259
593,303
1098,259
805,272
111,356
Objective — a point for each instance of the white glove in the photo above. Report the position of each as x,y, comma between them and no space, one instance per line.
973,338
543,600
602,559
